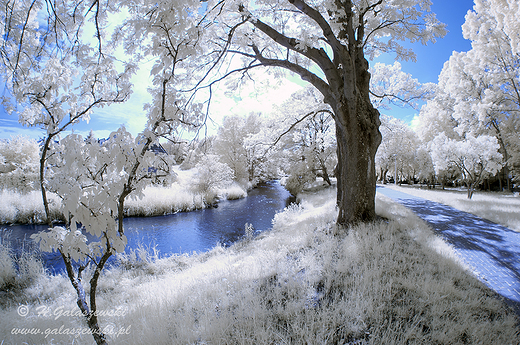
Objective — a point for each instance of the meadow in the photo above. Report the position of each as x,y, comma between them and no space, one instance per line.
305,281
501,208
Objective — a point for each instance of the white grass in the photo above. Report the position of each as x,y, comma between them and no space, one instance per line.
176,198
164,200
233,192
500,208
157,200
26,207
380,283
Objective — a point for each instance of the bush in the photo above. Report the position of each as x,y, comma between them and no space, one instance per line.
211,176
19,164
301,175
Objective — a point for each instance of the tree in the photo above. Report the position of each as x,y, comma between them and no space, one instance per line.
389,85
311,148
436,117
398,149
211,176
333,38
41,48
505,13
478,90
495,51
473,157
233,148
303,127
423,166
42,44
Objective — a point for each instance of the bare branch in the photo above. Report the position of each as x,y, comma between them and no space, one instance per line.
314,112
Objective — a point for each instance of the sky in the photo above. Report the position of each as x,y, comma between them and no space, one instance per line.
430,60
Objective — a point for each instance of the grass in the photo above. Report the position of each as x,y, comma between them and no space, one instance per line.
501,208
27,208
176,198
18,271
388,282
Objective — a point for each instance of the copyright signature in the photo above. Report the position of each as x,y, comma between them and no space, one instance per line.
23,310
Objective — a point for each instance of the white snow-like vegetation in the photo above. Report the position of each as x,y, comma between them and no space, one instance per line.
501,208
180,196
388,282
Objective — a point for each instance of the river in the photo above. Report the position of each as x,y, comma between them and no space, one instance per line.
185,232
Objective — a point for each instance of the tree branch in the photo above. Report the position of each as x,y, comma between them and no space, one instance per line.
318,56
314,112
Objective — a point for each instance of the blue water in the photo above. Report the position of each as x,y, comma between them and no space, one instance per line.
185,232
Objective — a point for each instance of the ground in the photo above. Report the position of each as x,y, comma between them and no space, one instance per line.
392,281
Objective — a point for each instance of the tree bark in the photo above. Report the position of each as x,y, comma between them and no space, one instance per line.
89,313
43,189
358,138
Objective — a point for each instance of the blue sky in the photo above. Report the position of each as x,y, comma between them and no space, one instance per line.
430,59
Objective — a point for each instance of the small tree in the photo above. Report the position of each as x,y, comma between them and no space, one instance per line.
473,157
39,58
229,145
93,181
211,176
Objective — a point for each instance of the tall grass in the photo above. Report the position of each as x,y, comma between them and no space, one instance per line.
18,271
27,208
501,208
158,200
388,282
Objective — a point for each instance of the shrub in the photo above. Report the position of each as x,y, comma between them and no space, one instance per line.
211,176
19,164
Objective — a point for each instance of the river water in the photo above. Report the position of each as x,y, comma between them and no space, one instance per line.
186,232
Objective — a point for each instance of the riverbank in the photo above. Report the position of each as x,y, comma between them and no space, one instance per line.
390,282
181,196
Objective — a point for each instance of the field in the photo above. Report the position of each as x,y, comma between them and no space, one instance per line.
306,281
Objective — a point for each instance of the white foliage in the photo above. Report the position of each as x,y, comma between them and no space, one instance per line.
477,92
390,85
398,148
472,156
506,13
212,175
19,163
69,242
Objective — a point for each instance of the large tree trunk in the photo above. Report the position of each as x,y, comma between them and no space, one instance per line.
358,140
358,137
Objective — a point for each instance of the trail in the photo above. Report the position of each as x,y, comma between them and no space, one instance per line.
490,249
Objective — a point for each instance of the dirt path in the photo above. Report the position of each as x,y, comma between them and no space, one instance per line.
492,250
